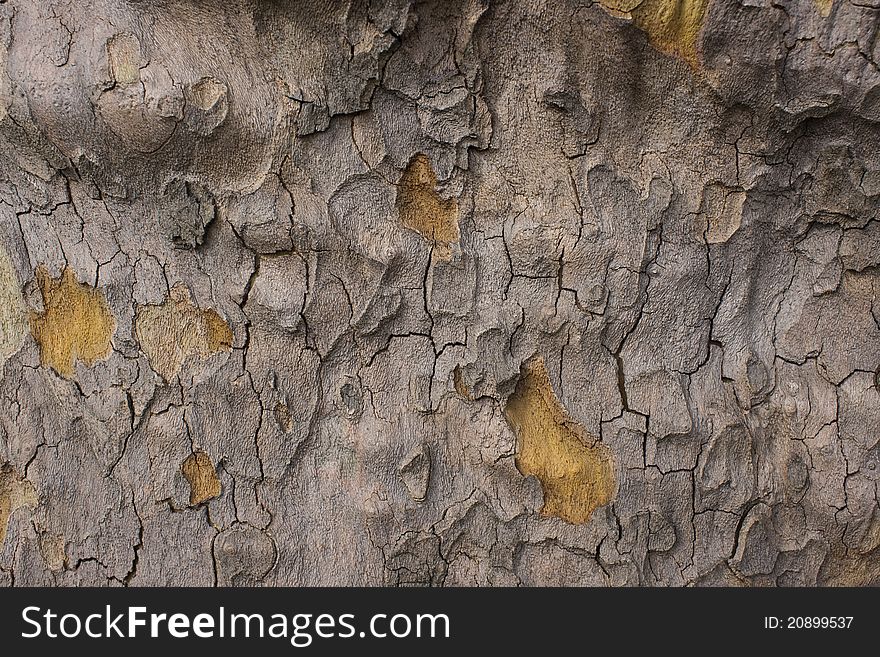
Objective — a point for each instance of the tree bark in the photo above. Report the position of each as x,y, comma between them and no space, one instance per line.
439,293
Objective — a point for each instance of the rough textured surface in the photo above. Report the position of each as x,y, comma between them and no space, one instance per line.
290,269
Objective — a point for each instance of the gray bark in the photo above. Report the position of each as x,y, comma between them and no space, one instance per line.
453,293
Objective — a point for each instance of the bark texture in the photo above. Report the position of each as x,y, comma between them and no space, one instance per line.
450,292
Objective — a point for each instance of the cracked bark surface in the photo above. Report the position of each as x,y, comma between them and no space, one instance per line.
272,274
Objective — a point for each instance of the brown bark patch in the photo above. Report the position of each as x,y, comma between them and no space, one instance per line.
52,549
458,382
76,323
175,330
202,477
283,417
575,470
15,493
673,26
423,210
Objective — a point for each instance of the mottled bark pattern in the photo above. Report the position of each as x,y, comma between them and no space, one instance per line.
456,292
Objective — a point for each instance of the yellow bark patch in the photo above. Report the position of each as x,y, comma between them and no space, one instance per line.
575,470
13,317
175,330
282,416
672,26
202,477
76,323
423,210
124,58
825,7
15,493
